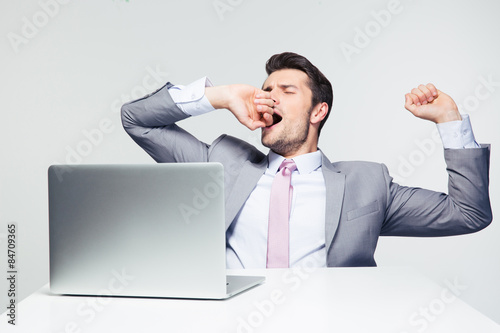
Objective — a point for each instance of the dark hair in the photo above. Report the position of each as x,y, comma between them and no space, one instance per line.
321,88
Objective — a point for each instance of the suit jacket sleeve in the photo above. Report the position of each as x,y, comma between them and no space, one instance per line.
465,209
150,121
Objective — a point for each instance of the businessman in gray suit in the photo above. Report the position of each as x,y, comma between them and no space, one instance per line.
337,210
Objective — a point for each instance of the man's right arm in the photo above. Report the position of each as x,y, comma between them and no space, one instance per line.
150,120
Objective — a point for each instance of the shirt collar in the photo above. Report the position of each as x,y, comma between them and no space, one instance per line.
306,163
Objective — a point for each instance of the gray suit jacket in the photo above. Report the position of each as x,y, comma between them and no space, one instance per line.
362,201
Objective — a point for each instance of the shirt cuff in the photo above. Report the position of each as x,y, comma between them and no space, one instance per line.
191,99
457,134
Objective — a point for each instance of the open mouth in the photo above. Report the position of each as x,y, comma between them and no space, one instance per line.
276,119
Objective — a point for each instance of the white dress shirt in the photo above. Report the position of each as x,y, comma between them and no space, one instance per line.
246,238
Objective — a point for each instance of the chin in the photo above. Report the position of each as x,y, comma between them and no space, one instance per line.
264,138
267,141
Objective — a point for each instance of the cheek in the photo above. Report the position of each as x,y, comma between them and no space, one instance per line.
297,112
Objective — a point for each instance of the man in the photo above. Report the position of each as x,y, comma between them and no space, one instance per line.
333,212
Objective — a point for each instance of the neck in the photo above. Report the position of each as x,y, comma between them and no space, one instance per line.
304,149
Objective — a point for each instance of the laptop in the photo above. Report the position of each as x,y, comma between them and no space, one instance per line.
154,230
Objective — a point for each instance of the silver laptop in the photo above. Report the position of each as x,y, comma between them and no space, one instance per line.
153,230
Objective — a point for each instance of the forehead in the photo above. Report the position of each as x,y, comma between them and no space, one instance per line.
288,77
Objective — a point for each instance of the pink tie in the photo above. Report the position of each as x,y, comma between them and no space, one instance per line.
279,214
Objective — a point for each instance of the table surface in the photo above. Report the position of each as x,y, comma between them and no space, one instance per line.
389,299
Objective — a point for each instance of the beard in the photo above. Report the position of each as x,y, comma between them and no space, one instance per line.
289,138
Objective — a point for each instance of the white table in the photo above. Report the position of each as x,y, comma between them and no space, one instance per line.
305,300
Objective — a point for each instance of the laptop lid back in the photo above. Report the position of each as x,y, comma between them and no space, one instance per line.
137,230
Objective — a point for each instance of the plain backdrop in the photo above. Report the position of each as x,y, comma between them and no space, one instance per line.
68,66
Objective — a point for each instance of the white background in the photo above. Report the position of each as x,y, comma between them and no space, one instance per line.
67,69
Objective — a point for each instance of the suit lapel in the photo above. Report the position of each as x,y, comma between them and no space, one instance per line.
247,179
335,184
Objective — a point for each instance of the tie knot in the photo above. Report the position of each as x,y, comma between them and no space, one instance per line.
288,164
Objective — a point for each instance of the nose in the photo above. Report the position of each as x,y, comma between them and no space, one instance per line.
274,97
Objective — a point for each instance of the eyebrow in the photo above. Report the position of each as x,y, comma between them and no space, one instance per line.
282,86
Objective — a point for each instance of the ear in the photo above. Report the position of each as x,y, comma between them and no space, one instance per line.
319,113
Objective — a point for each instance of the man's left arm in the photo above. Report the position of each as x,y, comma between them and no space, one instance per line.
466,208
